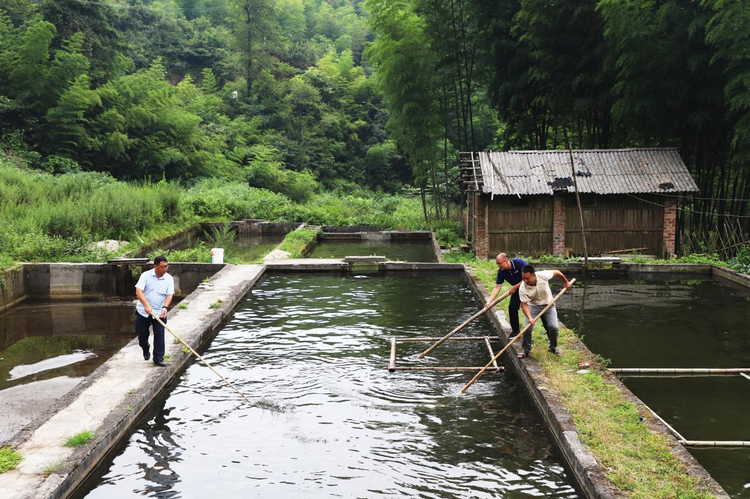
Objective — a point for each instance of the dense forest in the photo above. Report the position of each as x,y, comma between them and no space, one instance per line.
606,73
302,97
273,92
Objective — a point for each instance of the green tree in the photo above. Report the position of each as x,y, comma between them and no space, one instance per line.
255,25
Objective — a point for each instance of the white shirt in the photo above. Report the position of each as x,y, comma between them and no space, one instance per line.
155,290
539,294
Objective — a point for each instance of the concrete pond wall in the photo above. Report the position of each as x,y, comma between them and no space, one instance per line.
100,280
111,399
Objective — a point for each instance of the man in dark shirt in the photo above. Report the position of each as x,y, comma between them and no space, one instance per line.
509,270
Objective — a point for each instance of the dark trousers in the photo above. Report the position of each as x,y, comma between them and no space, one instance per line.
142,325
513,307
551,327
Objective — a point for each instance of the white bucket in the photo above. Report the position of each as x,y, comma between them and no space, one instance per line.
217,255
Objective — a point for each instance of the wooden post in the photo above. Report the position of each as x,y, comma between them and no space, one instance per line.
578,198
492,354
392,364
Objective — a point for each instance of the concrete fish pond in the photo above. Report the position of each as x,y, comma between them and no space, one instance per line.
308,341
413,246
688,321
326,420
47,348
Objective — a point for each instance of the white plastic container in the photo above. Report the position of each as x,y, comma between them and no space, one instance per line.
217,255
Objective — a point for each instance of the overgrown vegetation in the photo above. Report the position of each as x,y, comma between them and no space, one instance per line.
79,439
296,241
9,459
741,262
58,217
639,461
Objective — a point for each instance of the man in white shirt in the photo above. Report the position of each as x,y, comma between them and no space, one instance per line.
535,294
155,289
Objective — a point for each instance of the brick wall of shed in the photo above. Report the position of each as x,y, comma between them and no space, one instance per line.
482,241
669,226
558,226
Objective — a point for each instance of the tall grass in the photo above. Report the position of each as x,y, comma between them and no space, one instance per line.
57,218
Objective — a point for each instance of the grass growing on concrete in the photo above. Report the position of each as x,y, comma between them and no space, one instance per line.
9,459
79,439
52,467
639,461
296,241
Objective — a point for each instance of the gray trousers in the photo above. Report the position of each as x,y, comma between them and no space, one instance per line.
549,321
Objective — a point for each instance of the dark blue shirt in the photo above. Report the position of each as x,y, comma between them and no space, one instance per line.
513,274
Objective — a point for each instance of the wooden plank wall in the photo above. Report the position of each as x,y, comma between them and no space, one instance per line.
614,222
520,229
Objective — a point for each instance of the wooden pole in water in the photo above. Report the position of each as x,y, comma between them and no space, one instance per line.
442,368
392,364
716,443
199,356
464,324
679,370
562,292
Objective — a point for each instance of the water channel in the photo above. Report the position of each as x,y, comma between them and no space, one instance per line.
327,420
677,322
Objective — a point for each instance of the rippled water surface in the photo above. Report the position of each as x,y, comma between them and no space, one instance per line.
677,323
326,419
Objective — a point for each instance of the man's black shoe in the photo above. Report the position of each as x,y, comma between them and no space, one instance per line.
146,355
159,363
513,335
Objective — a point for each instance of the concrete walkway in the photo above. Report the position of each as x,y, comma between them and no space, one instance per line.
117,393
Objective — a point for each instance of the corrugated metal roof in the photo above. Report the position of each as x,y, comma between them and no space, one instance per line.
598,171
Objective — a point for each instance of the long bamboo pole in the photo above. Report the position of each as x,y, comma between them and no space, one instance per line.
442,368
199,356
464,324
562,292
679,370
716,443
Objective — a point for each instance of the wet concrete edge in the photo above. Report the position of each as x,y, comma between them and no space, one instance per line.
12,287
121,418
588,472
723,273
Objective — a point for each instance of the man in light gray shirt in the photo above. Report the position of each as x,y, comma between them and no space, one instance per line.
535,294
155,289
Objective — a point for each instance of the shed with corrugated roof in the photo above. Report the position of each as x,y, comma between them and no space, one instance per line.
523,202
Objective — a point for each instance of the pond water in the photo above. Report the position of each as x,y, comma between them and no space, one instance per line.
405,251
684,322
326,419
246,248
41,340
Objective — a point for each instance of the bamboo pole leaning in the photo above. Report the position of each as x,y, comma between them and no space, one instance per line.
199,356
539,315
465,323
